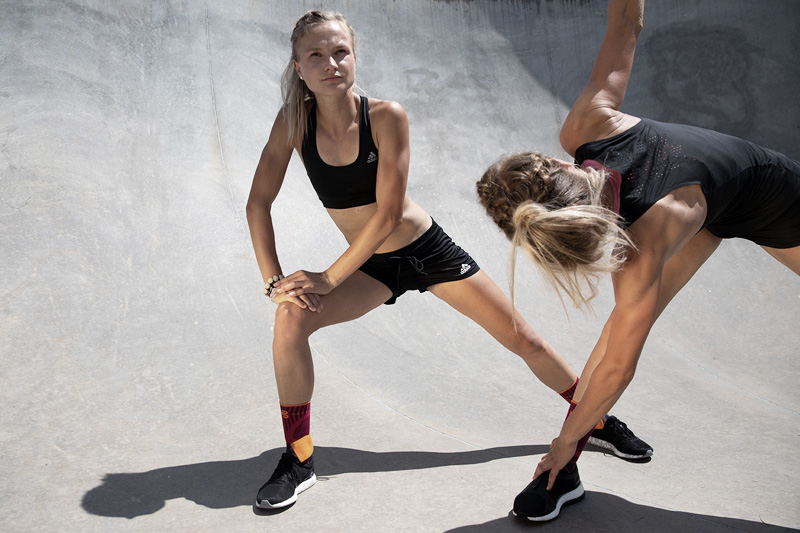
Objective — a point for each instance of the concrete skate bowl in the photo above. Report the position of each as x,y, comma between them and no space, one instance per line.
137,382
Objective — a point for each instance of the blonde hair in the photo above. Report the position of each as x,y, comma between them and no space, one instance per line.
298,100
555,215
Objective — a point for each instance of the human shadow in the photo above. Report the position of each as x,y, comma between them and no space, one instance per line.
600,511
226,484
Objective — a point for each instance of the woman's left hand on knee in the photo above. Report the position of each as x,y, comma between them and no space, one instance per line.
303,283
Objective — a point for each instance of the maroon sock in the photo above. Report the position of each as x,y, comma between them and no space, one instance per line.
570,466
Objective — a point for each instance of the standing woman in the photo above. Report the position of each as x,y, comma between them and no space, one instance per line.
356,153
662,196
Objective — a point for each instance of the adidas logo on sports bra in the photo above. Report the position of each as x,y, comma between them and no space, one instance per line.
465,268
371,158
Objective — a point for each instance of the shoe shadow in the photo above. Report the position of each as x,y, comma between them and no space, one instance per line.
226,484
592,448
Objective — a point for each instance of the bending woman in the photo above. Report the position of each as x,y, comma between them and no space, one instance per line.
356,153
662,196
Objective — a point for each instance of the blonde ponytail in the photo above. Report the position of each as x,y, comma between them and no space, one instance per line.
554,214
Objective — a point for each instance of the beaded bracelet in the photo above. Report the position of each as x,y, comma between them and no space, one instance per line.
270,285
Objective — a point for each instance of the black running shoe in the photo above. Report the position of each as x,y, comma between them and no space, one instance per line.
619,440
291,477
537,504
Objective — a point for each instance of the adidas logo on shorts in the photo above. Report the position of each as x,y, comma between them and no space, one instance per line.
465,269
371,158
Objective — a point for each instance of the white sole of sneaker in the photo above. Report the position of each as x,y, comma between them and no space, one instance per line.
304,486
573,496
613,449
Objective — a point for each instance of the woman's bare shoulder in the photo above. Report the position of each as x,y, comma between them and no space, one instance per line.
388,120
385,110
586,125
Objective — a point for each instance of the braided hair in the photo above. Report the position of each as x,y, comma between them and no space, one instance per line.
554,213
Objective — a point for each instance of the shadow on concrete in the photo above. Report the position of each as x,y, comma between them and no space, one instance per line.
225,484
600,511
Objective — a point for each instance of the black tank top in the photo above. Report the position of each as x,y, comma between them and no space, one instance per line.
350,185
655,158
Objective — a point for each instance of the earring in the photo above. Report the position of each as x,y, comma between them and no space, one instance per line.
301,77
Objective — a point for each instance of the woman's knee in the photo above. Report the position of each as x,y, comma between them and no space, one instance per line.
528,343
292,322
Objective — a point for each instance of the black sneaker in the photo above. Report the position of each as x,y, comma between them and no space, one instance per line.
536,504
619,440
291,477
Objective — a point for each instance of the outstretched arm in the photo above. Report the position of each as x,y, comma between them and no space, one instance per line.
595,114
636,291
659,234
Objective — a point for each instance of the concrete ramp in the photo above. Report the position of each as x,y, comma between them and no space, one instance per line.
136,374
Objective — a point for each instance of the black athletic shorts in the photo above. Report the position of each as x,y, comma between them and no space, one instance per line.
767,211
431,259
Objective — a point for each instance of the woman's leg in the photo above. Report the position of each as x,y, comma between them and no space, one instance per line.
789,257
294,368
480,299
294,374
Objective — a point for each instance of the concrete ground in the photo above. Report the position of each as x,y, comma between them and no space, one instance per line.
136,378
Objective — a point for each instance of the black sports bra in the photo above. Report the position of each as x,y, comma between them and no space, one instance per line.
350,185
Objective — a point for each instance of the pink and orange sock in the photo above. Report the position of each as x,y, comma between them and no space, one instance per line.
297,429
568,393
